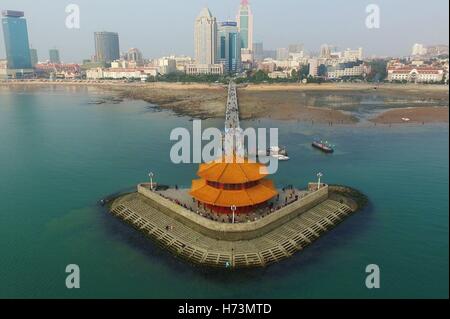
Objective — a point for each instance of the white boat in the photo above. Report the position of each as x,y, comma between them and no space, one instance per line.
273,150
405,119
281,157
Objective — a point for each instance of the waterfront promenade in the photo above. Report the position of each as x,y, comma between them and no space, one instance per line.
182,197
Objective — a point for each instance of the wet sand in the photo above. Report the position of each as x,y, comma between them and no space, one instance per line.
414,114
276,101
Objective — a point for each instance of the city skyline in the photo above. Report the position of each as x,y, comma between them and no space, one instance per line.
75,45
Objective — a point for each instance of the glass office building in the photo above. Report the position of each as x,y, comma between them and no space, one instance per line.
258,51
245,25
54,56
15,34
229,47
106,46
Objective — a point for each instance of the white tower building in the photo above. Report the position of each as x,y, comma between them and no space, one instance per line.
205,38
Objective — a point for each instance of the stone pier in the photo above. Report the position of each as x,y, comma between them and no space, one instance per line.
254,244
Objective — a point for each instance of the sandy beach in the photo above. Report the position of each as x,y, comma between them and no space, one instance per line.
413,115
334,103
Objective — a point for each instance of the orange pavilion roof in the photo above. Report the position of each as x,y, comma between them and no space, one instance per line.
232,170
226,198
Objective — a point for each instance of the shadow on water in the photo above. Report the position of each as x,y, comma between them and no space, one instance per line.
343,234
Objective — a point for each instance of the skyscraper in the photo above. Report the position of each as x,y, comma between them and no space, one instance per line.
205,37
15,34
54,56
229,47
106,46
325,51
245,25
34,57
258,51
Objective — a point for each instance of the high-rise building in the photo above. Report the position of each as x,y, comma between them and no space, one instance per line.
325,51
245,25
106,46
258,51
34,57
15,34
229,47
54,56
282,54
134,55
296,48
205,38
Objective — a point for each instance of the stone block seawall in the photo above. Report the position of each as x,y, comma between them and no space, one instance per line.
234,232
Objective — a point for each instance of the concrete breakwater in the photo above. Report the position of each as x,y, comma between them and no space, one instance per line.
234,232
253,244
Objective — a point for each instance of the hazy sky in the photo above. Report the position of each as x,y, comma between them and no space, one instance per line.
162,27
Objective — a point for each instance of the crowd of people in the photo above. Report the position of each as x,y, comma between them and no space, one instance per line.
287,196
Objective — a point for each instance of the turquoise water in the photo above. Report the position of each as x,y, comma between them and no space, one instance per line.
59,155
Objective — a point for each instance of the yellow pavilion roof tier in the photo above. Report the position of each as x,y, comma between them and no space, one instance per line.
255,195
232,170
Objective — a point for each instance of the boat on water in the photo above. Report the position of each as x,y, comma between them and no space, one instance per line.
324,147
280,157
274,150
277,152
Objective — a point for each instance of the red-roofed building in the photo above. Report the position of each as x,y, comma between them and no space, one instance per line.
417,74
58,70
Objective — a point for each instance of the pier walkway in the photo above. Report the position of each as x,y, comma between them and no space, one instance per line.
234,134
232,109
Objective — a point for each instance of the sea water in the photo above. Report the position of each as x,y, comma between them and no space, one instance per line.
60,154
